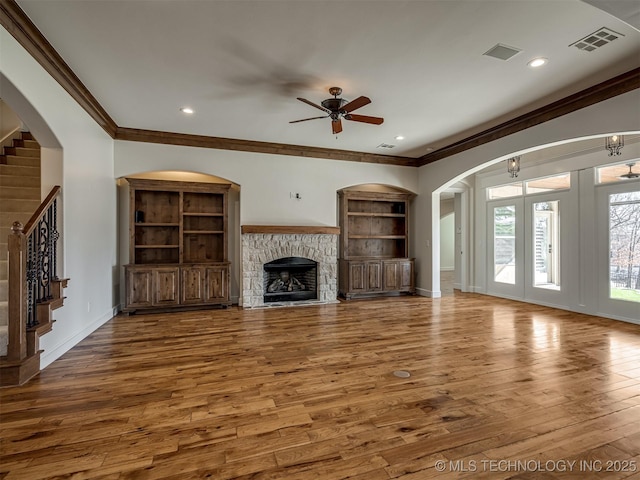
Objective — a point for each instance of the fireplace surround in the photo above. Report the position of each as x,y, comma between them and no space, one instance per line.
264,244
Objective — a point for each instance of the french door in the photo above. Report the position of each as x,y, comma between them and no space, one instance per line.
618,217
529,254
550,230
505,262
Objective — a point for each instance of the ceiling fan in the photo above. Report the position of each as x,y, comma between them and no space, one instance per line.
630,174
338,108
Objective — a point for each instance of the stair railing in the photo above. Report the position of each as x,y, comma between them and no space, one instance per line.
32,268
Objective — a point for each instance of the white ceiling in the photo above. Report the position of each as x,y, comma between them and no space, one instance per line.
240,64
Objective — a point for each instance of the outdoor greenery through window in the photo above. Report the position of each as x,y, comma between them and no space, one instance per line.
504,244
624,246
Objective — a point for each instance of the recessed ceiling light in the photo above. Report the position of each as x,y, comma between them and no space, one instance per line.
187,110
537,62
399,137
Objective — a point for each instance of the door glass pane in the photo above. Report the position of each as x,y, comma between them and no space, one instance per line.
624,246
504,244
546,184
505,191
546,251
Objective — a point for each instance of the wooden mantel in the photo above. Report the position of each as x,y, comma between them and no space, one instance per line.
291,229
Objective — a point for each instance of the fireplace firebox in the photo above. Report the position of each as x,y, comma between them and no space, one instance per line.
290,279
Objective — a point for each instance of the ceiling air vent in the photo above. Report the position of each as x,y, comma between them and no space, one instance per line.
502,52
385,145
596,40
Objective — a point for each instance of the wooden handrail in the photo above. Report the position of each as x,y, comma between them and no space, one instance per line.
44,206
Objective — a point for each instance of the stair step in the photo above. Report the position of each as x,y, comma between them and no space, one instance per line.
20,205
19,181
4,269
27,136
21,161
19,170
4,313
19,193
26,144
7,218
4,290
22,152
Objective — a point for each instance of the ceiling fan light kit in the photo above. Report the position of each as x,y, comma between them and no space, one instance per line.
338,108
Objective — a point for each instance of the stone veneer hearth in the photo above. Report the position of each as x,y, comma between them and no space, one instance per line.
263,244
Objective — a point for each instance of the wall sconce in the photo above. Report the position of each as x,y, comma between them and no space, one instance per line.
614,144
513,166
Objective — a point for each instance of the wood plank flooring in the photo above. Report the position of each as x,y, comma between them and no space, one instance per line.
308,393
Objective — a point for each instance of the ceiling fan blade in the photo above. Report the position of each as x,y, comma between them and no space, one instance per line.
314,105
336,126
355,104
364,119
306,119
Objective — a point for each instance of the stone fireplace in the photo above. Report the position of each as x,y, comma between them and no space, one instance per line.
287,258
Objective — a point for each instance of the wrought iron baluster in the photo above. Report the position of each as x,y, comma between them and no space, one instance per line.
42,246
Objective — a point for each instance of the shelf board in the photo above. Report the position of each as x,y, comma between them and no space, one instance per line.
198,232
368,214
157,246
193,214
380,237
143,224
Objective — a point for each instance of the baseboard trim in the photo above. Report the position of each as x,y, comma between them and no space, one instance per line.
423,292
608,316
447,269
52,355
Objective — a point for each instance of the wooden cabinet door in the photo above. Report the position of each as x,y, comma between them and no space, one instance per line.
216,286
390,275
192,285
405,275
166,286
139,286
374,276
357,277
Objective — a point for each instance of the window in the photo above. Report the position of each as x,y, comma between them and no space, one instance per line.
624,246
504,244
505,191
614,173
546,245
556,182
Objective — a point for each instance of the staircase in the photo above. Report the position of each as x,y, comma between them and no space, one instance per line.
29,287
19,198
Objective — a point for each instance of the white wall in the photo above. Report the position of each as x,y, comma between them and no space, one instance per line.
579,248
619,114
9,121
447,241
265,180
89,197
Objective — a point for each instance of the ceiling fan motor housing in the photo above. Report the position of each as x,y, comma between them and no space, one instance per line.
333,104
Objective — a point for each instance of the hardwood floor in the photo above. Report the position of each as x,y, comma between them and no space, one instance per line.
308,393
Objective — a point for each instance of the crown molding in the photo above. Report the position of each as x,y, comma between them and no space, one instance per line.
203,141
603,91
18,24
